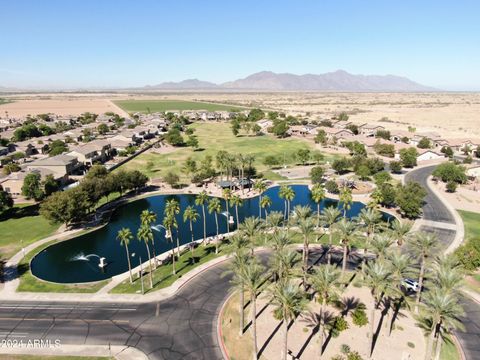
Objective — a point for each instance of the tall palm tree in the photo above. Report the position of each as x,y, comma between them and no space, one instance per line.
442,313
401,265
265,204
283,263
227,194
190,214
307,229
260,187
447,274
125,236
237,242
423,246
200,200
377,276
326,282
369,219
279,240
237,268
145,234
318,195
172,208
282,193
215,207
381,244
401,230
236,201
289,196
253,277
169,222
347,232
330,216
300,213
346,199
148,218
289,301
251,227
242,162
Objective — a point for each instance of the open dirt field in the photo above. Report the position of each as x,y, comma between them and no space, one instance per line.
450,114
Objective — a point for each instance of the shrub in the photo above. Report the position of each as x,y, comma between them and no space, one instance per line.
451,186
359,317
396,167
450,171
354,355
341,165
382,177
469,254
332,187
316,174
411,345
338,325
344,349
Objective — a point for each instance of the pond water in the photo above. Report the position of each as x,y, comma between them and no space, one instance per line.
76,260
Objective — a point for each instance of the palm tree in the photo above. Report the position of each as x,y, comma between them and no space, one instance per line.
227,194
200,200
279,240
401,265
401,230
169,222
423,246
274,220
242,161
215,207
289,196
251,227
289,301
125,236
148,218
236,201
318,195
347,232
260,187
190,214
381,244
330,216
346,199
300,213
369,219
307,229
282,192
237,242
326,282
282,264
265,203
447,274
145,234
442,313
253,278
237,267
172,208
377,276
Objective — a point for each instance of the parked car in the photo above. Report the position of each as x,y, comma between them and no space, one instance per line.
410,285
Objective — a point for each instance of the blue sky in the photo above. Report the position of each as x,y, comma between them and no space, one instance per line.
109,43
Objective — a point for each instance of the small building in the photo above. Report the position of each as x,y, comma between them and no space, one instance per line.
428,154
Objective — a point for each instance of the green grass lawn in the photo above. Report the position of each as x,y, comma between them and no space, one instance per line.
22,225
164,105
212,138
449,351
163,277
471,221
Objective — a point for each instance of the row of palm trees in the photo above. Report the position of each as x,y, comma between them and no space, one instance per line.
383,273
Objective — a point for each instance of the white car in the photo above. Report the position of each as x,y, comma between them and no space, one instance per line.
410,285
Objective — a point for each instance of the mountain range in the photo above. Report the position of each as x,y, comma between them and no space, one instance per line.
339,80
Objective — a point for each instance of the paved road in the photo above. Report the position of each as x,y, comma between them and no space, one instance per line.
434,210
185,327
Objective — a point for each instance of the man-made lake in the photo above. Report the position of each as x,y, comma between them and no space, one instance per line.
76,260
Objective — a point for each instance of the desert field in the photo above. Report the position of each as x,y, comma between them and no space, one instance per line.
449,114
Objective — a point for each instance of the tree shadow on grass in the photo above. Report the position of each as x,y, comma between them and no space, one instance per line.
20,212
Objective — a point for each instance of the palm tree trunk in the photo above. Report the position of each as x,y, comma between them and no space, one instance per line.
438,347
285,338
216,242
344,260
154,254
284,212
260,206
129,265
318,215
330,235
178,245
204,225
242,311
192,245
228,216
430,342
173,253
420,284
305,262
242,172
236,214
254,326
288,213
150,265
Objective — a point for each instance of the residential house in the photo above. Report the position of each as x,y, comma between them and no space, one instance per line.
369,130
13,183
60,165
96,151
428,154
336,133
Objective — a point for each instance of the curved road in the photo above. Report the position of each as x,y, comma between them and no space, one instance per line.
437,215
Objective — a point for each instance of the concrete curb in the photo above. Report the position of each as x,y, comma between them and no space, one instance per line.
223,348
117,351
